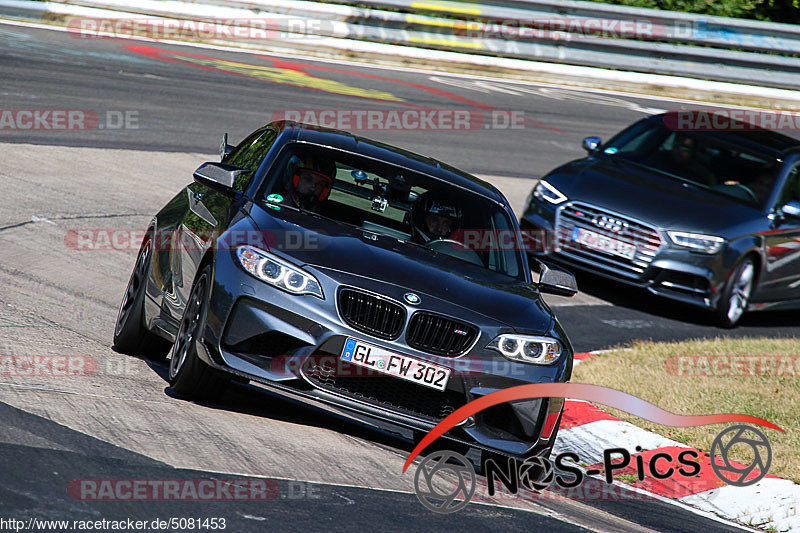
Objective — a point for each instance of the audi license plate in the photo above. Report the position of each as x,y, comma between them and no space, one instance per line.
400,366
603,243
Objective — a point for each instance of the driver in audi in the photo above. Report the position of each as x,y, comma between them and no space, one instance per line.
433,217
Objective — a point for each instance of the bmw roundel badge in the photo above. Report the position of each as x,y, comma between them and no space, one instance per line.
412,298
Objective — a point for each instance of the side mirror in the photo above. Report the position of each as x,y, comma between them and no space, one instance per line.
556,280
218,174
224,147
791,210
591,144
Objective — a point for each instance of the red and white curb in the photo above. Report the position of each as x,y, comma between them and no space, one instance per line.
588,430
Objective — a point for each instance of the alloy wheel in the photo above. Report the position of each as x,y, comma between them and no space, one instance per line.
188,330
136,283
740,295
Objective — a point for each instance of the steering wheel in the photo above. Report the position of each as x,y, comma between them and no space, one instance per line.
750,192
739,187
456,249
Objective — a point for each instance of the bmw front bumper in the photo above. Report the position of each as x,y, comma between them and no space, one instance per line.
280,340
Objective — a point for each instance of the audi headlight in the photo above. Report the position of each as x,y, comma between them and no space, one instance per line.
527,349
277,272
707,244
545,191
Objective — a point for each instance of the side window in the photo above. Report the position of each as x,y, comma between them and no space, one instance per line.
243,146
250,153
791,189
638,141
641,142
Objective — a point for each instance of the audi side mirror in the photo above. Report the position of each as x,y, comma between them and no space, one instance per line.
591,144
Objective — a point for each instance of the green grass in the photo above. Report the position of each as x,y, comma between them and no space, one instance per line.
649,370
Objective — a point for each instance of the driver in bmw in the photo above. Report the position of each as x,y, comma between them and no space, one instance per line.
309,181
434,217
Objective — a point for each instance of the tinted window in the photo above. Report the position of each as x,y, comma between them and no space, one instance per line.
791,190
250,153
701,159
386,199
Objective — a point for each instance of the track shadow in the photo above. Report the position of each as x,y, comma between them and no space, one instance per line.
252,399
645,302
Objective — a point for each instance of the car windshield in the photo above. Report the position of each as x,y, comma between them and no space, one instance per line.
385,199
699,159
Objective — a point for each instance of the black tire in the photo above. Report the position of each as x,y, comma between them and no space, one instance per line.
189,375
736,295
130,334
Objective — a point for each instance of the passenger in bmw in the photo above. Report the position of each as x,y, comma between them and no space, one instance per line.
309,181
434,217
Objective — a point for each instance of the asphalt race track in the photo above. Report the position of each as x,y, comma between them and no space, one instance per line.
122,422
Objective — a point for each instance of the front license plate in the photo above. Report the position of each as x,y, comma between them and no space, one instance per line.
392,364
602,243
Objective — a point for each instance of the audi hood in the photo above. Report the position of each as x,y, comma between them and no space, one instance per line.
650,196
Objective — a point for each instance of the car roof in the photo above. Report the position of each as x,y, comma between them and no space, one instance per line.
749,138
347,141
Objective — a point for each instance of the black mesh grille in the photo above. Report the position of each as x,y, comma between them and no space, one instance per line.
371,314
439,335
330,373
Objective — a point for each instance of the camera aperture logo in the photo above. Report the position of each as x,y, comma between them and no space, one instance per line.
435,492
537,474
731,473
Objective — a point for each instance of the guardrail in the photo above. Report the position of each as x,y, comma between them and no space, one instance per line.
703,30
570,32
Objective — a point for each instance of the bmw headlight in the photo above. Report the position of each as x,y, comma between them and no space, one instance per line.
707,244
277,272
545,191
527,349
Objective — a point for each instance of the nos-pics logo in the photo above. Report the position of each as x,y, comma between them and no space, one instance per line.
445,481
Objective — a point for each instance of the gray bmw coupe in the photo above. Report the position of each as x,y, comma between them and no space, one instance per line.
327,266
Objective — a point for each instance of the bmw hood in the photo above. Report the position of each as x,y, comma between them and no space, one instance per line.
311,240
646,195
